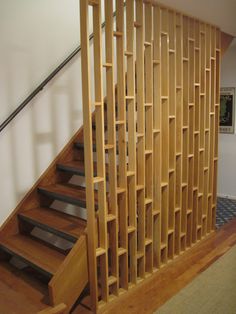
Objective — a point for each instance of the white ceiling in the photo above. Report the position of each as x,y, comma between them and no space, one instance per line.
219,12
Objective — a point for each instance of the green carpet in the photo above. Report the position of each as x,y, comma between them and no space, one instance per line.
211,292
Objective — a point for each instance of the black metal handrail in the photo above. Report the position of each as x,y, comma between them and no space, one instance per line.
41,86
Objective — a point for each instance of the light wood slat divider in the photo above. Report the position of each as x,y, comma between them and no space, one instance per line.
156,138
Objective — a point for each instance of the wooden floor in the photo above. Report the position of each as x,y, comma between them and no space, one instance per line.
155,291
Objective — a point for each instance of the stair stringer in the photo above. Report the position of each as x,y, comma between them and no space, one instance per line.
72,276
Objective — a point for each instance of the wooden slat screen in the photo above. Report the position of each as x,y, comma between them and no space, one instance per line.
155,139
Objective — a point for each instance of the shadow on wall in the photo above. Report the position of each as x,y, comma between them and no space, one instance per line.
30,143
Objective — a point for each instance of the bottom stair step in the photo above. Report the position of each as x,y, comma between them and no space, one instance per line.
22,292
58,223
33,252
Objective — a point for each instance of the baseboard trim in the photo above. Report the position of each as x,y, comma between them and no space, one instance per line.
227,196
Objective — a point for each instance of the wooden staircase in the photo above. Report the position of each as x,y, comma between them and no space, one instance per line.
150,157
50,242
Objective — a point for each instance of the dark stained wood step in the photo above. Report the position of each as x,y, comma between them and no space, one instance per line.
33,253
74,166
58,223
77,167
67,193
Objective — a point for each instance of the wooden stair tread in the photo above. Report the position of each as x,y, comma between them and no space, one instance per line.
33,252
56,222
67,193
75,166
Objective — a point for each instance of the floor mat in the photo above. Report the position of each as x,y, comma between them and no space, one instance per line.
211,292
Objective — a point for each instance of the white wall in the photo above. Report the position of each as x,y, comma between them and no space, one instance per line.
35,37
227,142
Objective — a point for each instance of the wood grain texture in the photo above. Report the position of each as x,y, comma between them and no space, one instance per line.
170,119
69,281
55,222
171,279
149,156
33,252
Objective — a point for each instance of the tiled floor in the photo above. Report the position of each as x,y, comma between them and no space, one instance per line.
226,210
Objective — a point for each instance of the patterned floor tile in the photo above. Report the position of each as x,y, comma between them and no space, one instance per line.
226,210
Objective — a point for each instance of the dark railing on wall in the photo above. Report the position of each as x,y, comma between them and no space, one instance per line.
41,86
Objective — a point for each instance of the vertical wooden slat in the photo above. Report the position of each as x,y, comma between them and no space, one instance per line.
172,131
207,129
191,127
131,104
164,133
111,137
157,138
217,112
99,119
185,126
201,130
179,124
148,73
141,140
212,127
121,133
196,132
88,154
